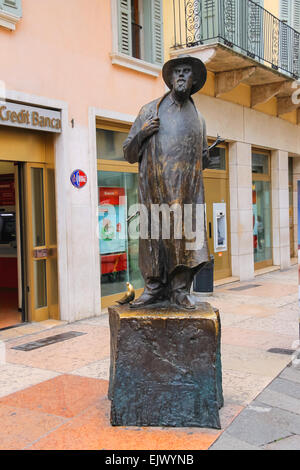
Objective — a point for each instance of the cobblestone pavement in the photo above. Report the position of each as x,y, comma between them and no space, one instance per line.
271,421
55,397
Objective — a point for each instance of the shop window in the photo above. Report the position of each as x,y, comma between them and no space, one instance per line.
262,222
140,29
261,199
110,144
117,193
217,158
291,206
260,163
117,199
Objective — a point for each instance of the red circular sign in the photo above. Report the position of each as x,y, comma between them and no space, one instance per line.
78,178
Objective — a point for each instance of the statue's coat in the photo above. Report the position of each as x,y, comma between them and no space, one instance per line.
171,164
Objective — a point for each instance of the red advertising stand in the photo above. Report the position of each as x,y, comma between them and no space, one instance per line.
112,229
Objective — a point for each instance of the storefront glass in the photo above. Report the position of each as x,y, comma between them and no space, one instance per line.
261,194
291,208
110,144
117,193
217,158
262,221
260,164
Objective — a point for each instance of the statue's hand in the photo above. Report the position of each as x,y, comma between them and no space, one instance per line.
150,127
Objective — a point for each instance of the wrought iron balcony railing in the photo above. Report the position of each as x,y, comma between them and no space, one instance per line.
242,25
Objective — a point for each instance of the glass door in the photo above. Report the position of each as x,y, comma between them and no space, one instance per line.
41,242
291,209
261,200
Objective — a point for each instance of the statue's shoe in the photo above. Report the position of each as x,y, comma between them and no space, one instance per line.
183,300
147,299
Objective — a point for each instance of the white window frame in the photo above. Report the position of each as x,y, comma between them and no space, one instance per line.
8,19
123,60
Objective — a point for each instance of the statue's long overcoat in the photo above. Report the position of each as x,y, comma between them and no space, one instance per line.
171,162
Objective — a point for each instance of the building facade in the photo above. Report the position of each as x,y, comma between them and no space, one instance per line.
251,50
72,82
69,96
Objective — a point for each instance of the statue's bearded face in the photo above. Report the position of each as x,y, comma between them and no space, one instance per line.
182,78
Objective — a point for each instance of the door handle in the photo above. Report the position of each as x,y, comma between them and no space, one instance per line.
41,253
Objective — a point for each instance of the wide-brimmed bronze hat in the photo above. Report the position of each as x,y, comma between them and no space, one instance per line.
199,71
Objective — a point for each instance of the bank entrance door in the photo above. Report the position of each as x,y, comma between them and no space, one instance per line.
28,246
41,243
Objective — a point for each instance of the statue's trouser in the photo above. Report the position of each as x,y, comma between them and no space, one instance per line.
176,289
181,282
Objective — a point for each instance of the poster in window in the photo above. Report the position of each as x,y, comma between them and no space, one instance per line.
112,220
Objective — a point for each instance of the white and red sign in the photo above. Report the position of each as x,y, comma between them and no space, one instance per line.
78,179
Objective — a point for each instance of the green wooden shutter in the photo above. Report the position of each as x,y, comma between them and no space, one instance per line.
12,6
153,31
157,32
147,31
285,11
125,33
296,38
296,15
208,25
285,16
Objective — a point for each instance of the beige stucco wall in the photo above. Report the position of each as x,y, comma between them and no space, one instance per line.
237,123
272,6
245,128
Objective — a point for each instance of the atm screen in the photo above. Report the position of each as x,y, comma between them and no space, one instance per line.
7,228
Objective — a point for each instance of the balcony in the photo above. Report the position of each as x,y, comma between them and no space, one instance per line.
240,42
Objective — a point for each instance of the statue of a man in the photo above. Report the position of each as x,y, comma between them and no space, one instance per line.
168,140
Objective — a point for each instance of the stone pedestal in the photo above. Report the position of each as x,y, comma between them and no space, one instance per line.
165,367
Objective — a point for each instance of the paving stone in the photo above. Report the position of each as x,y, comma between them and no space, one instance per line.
14,378
101,320
289,443
96,370
260,425
279,400
292,374
227,442
286,387
253,361
290,420
242,387
275,324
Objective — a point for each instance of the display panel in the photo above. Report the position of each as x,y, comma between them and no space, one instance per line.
117,192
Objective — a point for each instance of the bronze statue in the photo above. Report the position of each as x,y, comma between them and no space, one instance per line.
168,140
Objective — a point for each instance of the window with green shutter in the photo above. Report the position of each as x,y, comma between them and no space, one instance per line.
10,13
296,15
12,6
290,41
290,13
140,32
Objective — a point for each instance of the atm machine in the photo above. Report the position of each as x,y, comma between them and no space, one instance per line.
220,227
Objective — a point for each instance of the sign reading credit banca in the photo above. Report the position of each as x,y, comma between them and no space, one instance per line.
28,117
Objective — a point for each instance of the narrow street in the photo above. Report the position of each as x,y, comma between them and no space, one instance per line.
53,392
